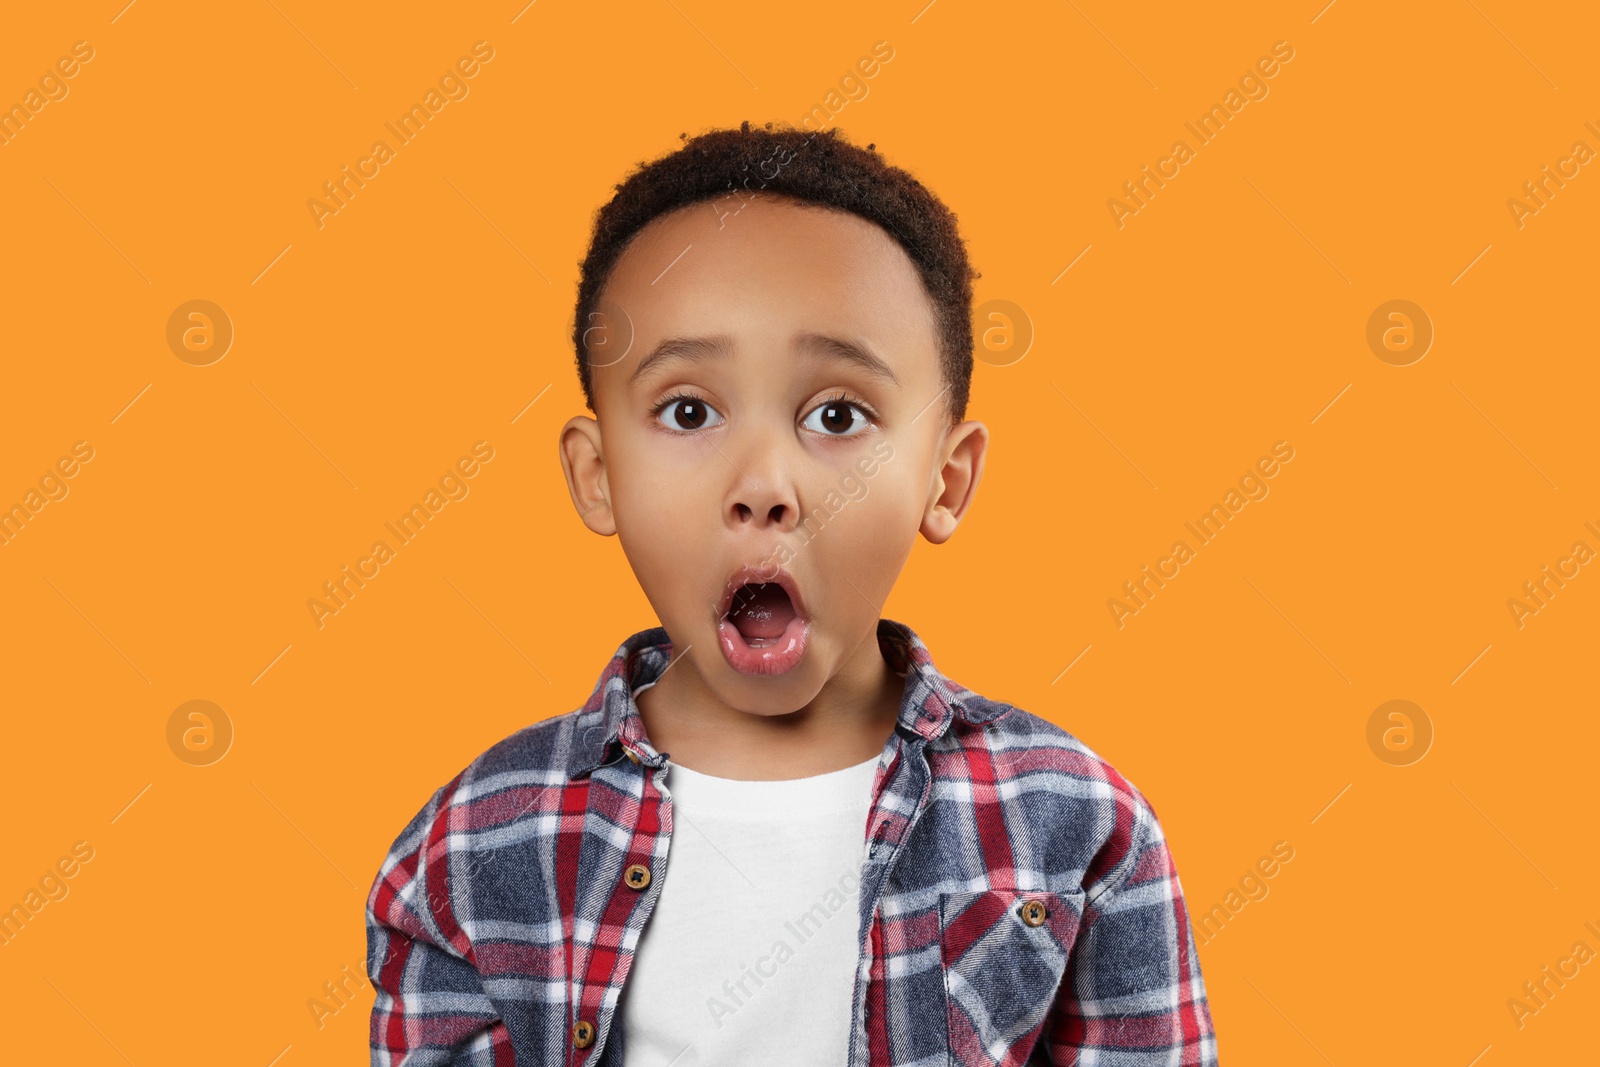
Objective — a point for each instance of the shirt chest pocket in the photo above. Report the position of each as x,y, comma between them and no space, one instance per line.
1004,953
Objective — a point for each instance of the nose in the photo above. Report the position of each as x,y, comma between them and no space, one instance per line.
762,492
778,515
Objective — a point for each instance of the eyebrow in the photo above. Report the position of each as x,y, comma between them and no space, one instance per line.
682,350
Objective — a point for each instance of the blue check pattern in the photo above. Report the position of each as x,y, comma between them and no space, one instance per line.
1018,903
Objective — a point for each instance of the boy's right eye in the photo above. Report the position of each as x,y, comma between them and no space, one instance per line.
685,413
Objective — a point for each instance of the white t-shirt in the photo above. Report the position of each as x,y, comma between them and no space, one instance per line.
750,953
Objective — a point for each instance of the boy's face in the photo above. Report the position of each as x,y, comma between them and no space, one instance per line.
710,457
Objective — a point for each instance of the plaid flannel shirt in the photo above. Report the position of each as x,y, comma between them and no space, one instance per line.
1018,904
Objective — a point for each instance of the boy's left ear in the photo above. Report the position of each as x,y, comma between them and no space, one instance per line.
955,481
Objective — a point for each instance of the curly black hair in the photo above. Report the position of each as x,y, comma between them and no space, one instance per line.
820,167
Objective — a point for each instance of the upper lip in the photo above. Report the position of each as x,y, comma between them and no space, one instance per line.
757,574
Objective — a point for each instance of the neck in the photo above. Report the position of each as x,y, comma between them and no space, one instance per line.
846,723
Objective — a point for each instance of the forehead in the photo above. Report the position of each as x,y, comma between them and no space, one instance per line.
765,271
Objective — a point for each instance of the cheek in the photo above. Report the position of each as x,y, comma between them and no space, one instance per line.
656,479
666,503
658,512
662,558
874,532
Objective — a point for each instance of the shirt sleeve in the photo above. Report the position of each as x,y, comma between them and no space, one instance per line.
430,1007
1132,992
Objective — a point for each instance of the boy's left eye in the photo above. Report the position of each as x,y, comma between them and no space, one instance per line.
837,418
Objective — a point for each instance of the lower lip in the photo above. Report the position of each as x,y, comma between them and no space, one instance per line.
778,656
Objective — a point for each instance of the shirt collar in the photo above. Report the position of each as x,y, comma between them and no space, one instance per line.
609,724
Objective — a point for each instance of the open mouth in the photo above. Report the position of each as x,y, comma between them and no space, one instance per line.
761,611
762,627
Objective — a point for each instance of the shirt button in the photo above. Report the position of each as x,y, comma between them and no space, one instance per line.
583,1033
637,875
1033,911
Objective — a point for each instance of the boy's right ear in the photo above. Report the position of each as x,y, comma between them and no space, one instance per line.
583,463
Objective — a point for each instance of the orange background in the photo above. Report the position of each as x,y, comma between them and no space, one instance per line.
1228,314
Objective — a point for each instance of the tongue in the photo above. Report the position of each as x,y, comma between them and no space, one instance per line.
761,612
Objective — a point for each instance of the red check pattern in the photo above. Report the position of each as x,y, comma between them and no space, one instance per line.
1018,903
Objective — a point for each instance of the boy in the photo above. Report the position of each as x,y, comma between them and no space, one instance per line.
780,835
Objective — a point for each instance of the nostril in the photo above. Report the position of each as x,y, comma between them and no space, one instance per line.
777,514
